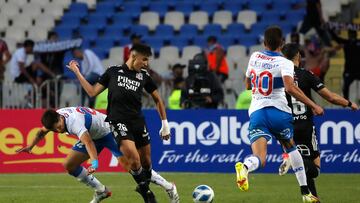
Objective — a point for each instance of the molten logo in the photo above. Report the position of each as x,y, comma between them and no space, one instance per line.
227,130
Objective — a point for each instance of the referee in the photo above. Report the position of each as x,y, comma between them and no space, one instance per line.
125,84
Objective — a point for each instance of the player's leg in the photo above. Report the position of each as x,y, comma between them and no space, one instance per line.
258,136
154,177
312,168
72,164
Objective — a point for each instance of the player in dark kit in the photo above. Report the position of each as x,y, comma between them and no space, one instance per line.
304,129
126,83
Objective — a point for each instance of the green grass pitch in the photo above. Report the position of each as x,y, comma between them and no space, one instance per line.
38,188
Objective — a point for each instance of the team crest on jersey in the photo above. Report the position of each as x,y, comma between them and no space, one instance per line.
139,76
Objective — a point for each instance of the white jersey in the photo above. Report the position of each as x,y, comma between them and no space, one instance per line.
266,69
81,119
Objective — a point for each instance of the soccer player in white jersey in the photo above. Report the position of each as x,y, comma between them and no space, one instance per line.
94,135
269,75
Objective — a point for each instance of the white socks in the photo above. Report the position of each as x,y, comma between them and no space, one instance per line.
159,180
297,165
252,163
90,181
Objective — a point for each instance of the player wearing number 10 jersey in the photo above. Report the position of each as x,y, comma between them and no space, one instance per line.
269,75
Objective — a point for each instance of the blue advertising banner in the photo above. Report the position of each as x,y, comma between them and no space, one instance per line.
214,140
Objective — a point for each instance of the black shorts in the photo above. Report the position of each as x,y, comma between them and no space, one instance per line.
306,140
22,78
134,129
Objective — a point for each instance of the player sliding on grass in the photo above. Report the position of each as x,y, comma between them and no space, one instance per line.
126,84
94,134
304,128
270,75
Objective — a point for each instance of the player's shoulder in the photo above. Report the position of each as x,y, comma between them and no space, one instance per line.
115,68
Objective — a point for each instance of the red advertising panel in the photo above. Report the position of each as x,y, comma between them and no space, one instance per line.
18,128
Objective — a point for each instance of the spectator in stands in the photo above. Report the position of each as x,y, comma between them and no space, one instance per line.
202,87
174,100
177,71
216,59
316,57
91,69
352,63
244,100
5,57
314,19
295,39
31,74
135,39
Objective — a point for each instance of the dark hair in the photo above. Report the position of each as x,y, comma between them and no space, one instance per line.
29,43
142,49
51,34
49,118
290,50
273,37
211,39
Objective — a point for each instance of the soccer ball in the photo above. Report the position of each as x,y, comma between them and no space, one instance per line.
203,194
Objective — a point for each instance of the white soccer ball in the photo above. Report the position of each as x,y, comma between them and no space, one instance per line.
203,194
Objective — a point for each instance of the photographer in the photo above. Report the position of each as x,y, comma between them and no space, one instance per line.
202,87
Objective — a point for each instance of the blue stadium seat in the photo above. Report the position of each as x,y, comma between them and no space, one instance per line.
233,6
248,39
78,8
116,31
105,7
133,8
287,27
160,7
101,53
124,41
188,30
200,41
86,44
235,28
166,31
123,19
97,19
259,6
155,43
70,21
105,43
180,42
64,32
139,29
88,32
269,16
209,7
226,41
258,28
281,5
295,16
185,7
212,29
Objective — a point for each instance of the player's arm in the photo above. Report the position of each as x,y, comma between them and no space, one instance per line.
336,99
164,131
39,136
296,92
91,90
85,138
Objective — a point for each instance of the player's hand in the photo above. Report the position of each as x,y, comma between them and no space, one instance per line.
354,107
93,167
165,130
318,110
26,149
73,66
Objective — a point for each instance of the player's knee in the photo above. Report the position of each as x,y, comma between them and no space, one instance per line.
68,167
312,171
